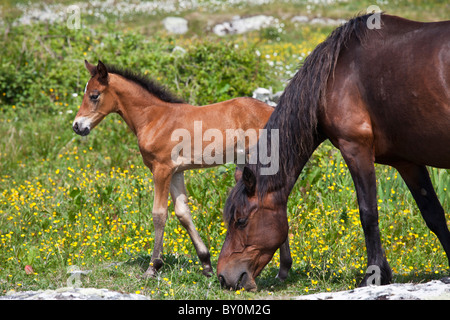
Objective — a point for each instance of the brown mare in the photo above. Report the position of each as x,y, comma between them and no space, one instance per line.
153,114
379,95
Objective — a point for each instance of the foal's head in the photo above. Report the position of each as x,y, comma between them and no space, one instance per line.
97,101
257,227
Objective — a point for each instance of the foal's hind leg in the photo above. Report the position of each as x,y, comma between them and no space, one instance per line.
183,212
360,161
418,181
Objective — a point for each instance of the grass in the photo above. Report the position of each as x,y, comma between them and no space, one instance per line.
68,201
77,207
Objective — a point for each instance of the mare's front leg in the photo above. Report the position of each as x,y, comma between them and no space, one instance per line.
161,178
183,212
285,260
360,161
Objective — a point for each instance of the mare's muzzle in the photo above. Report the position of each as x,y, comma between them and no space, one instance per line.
237,280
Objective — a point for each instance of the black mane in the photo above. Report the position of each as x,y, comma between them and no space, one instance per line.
296,115
145,82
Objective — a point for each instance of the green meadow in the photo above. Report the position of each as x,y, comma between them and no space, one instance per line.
85,202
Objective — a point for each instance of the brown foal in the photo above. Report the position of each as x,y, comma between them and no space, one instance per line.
159,120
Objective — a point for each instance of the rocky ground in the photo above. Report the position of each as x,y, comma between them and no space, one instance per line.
102,10
433,290
70,293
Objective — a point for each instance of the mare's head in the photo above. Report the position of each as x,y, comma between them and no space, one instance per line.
97,101
257,227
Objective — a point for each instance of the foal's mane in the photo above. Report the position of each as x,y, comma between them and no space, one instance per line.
145,82
296,115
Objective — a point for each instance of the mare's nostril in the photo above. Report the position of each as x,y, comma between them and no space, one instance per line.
75,127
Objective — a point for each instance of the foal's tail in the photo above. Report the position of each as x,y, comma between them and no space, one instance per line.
297,112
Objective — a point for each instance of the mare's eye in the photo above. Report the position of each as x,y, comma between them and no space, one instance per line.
241,222
94,97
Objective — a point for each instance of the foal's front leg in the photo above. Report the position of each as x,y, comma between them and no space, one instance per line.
161,179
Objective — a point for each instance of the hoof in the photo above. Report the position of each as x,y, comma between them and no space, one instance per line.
207,271
150,273
377,276
282,274
153,269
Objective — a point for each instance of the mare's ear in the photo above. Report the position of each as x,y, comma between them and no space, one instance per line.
249,179
91,68
102,73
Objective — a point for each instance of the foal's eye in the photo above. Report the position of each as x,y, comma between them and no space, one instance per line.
94,97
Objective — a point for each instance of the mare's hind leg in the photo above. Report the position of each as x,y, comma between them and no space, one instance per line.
418,181
360,161
183,212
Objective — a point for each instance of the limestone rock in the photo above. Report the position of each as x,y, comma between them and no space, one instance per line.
433,290
241,25
70,293
176,25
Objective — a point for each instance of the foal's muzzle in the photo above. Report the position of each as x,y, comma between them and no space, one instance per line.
81,131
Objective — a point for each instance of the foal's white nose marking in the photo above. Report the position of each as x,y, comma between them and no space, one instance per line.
83,122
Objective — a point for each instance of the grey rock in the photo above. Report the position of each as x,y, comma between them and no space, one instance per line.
241,25
318,21
265,95
176,25
69,293
433,290
301,19
262,94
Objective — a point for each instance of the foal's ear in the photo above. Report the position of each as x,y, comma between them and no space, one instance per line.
249,179
102,73
91,68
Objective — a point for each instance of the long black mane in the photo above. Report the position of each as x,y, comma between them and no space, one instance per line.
145,82
296,116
